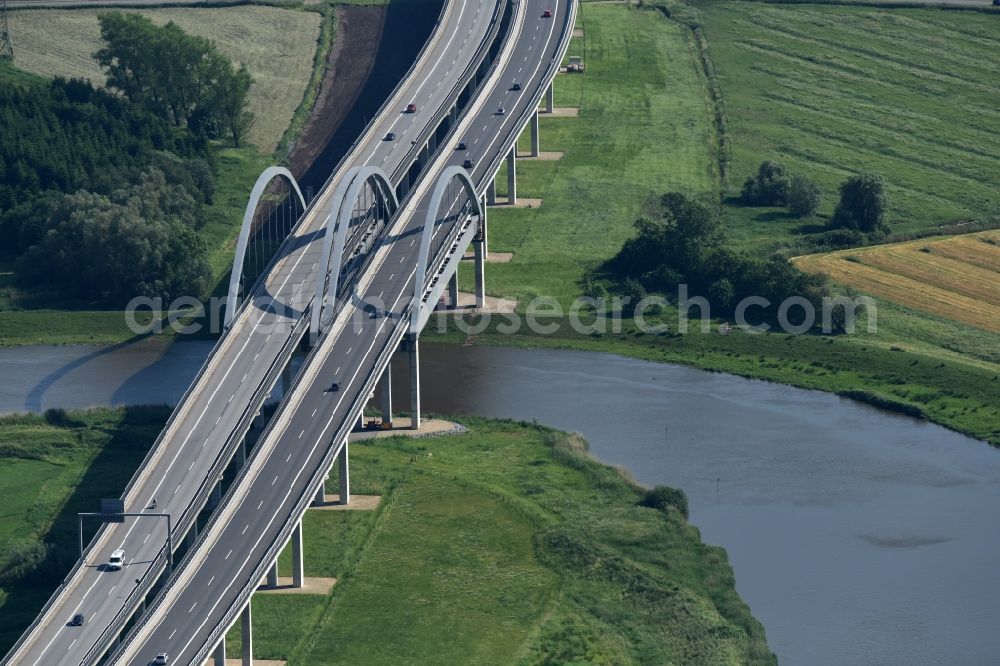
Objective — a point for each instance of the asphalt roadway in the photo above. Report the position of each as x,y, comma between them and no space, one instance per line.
214,405
314,420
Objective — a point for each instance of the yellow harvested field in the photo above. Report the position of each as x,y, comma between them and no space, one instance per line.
277,45
957,277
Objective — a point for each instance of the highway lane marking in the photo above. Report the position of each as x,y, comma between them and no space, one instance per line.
171,634
211,579
314,412
300,434
191,610
147,538
112,590
381,325
402,293
177,488
260,505
245,528
228,554
418,92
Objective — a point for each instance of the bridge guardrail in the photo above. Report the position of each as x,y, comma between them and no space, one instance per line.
205,488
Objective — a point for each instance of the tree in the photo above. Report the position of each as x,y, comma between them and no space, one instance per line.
863,204
665,498
769,187
722,294
179,76
804,197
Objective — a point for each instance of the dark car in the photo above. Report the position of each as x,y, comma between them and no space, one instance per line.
501,111
468,164
516,86
411,108
391,136
462,146
334,387
77,620
547,13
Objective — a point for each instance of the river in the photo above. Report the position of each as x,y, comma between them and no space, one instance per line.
857,536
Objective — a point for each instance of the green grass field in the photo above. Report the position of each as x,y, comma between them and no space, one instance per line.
643,129
911,94
505,544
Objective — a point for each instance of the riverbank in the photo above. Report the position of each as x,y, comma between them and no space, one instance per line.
508,534
958,395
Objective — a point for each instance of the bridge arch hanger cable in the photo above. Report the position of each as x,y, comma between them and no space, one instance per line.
259,189
420,310
340,214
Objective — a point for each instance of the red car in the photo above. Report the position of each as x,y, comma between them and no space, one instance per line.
411,108
547,13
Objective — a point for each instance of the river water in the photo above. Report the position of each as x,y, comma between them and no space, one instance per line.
857,536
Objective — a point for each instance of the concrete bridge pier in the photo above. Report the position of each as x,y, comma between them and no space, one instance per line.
413,356
453,116
432,142
216,498
192,534
320,498
453,290
220,653
298,567
549,98
246,624
535,145
286,379
491,192
387,395
272,574
480,274
241,452
344,473
512,177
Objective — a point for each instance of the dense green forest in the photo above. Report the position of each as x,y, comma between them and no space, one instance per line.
101,191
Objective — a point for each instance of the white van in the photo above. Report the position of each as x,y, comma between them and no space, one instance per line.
116,560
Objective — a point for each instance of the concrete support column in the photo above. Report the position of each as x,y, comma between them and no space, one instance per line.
192,534
298,567
512,177
480,275
241,452
220,653
246,624
453,290
286,379
344,472
484,231
216,498
320,498
549,98
452,116
272,575
387,394
432,142
491,192
534,134
413,354
361,421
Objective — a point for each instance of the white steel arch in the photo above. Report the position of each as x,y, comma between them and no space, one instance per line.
444,180
337,221
259,187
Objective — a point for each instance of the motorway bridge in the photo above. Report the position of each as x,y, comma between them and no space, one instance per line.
354,281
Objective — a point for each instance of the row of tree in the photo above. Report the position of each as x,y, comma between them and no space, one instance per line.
862,207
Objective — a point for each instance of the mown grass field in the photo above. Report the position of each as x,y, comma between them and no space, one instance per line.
911,94
643,129
277,45
505,544
957,277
